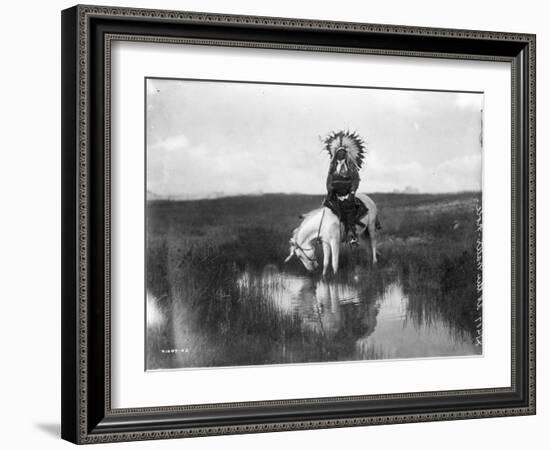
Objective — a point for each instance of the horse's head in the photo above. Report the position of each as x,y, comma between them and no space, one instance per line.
305,253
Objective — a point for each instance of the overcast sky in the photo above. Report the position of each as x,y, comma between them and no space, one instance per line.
221,138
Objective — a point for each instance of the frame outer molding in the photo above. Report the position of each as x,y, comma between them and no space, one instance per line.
75,205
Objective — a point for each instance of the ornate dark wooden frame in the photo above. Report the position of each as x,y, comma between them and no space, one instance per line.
87,34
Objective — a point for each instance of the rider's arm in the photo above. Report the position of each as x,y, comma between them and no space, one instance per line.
355,182
329,181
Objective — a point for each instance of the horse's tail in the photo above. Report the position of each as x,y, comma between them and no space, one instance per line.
372,211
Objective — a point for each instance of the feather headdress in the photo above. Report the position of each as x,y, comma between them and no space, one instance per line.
350,142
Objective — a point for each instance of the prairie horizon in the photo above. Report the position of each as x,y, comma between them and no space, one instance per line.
152,196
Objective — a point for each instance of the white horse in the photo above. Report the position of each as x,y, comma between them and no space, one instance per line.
324,225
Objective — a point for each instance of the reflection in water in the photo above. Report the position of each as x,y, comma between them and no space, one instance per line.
155,319
272,317
318,303
388,331
396,336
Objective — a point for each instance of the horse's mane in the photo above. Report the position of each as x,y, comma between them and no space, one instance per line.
310,213
304,217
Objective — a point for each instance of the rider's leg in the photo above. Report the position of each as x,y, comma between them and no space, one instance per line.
343,218
351,218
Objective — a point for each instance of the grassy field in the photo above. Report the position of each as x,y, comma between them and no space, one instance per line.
197,250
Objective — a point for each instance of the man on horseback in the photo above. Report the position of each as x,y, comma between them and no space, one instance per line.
347,152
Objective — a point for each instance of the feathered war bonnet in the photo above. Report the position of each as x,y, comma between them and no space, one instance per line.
348,141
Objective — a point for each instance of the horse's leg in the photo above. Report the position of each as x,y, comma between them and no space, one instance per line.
372,237
326,258
365,238
335,250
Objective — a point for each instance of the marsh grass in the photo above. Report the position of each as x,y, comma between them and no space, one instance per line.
197,251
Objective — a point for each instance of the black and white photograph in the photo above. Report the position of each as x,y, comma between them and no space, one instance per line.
294,223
